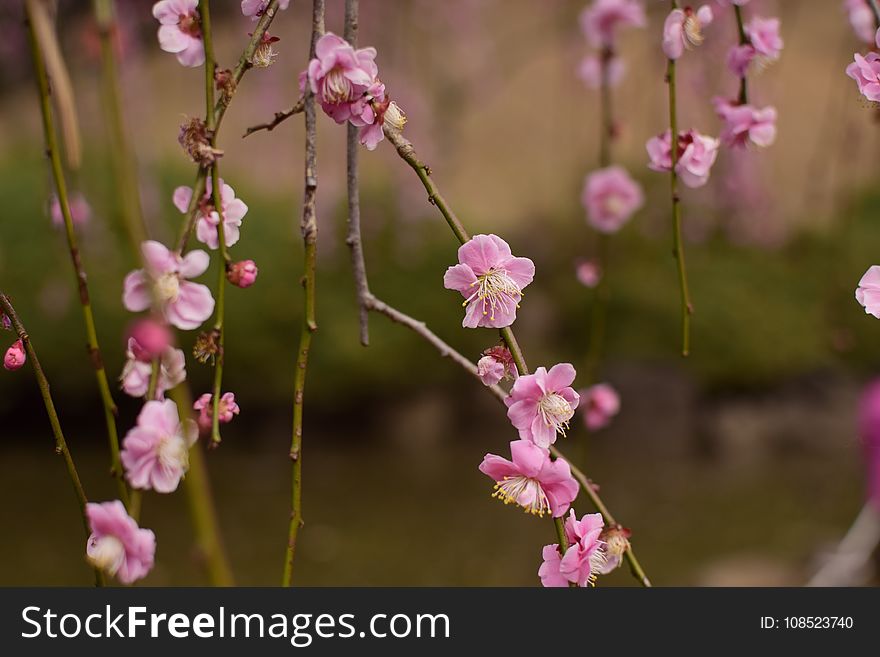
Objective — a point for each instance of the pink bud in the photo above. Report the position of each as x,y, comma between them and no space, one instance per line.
242,273
151,337
5,322
15,356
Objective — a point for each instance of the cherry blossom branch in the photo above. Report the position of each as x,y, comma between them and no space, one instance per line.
687,308
60,443
309,229
743,40
279,117
35,9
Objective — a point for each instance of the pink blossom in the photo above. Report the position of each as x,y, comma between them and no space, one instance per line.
117,546
601,403
256,8
869,431
151,337
138,369
496,364
585,556
590,71
763,34
180,31
345,80
243,273
540,405
227,408
588,272
15,356
696,155
868,291
684,28
739,58
861,18
531,479
80,211
549,572
155,452
490,279
610,197
163,281
234,210
866,72
744,123
616,543
601,20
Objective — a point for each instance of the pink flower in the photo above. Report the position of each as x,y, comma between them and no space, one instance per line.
385,113
234,210
610,197
549,572
763,34
868,291
744,123
601,20
684,28
227,407
696,155
540,405
601,403
589,273
155,453
869,431
496,364
152,338
256,8
183,303
80,211
861,18
490,279
531,479
243,273
345,80
585,556
590,71
739,58
138,369
15,356
117,546
866,72
180,31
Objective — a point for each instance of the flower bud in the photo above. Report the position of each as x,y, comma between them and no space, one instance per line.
394,118
5,322
242,274
15,356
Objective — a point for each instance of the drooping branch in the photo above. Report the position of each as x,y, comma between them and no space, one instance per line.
278,118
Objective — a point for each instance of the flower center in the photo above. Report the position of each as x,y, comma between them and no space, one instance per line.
525,492
693,30
337,87
106,553
172,452
497,290
168,287
614,204
555,411
189,24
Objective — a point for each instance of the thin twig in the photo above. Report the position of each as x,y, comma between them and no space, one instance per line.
743,40
309,229
279,117
94,350
875,9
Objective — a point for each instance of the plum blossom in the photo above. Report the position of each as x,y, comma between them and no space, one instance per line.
616,543
117,546
868,291
234,210
549,572
584,558
80,211
696,155
227,409
255,8
610,198
138,369
152,337
866,72
496,364
163,282
541,405
861,18
531,479
745,123
588,272
155,452
15,357
763,35
684,28
739,58
386,114
590,71
243,273
180,31
601,403
490,279
601,20
344,80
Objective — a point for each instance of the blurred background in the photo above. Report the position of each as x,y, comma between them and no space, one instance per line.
739,465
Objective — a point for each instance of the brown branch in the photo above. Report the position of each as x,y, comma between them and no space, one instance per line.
279,117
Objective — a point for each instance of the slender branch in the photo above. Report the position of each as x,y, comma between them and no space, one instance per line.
743,40
60,443
278,118
606,122
309,229
94,350
875,9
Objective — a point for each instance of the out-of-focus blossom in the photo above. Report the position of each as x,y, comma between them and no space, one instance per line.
610,198
745,123
588,272
602,20
117,546
151,337
531,479
138,369
696,155
227,409
683,29
868,291
540,405
164,281
763,34
869,430
243,273
490,279
5,322
80,211
861,18
496,364
866,72
255,8
590,71
15,356
234,210
739,58
600,403
180,31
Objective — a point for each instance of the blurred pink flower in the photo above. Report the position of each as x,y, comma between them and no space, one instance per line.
738,59
180,31
234,210
763,34
151,337
869,431
866,72
601,20
610,198
243,273
491,279
744,123
155,453
588,272
117,546
601,403
868,291
861,18
590,71
540,405
138,369
345,80
696,155
531,479
15,356
80,211
585,556
255,8
183,303
227,409
684,28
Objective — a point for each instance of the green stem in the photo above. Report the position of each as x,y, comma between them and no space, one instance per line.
743,40
94,350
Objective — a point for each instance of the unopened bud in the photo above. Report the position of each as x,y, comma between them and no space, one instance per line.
242,273
15,356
